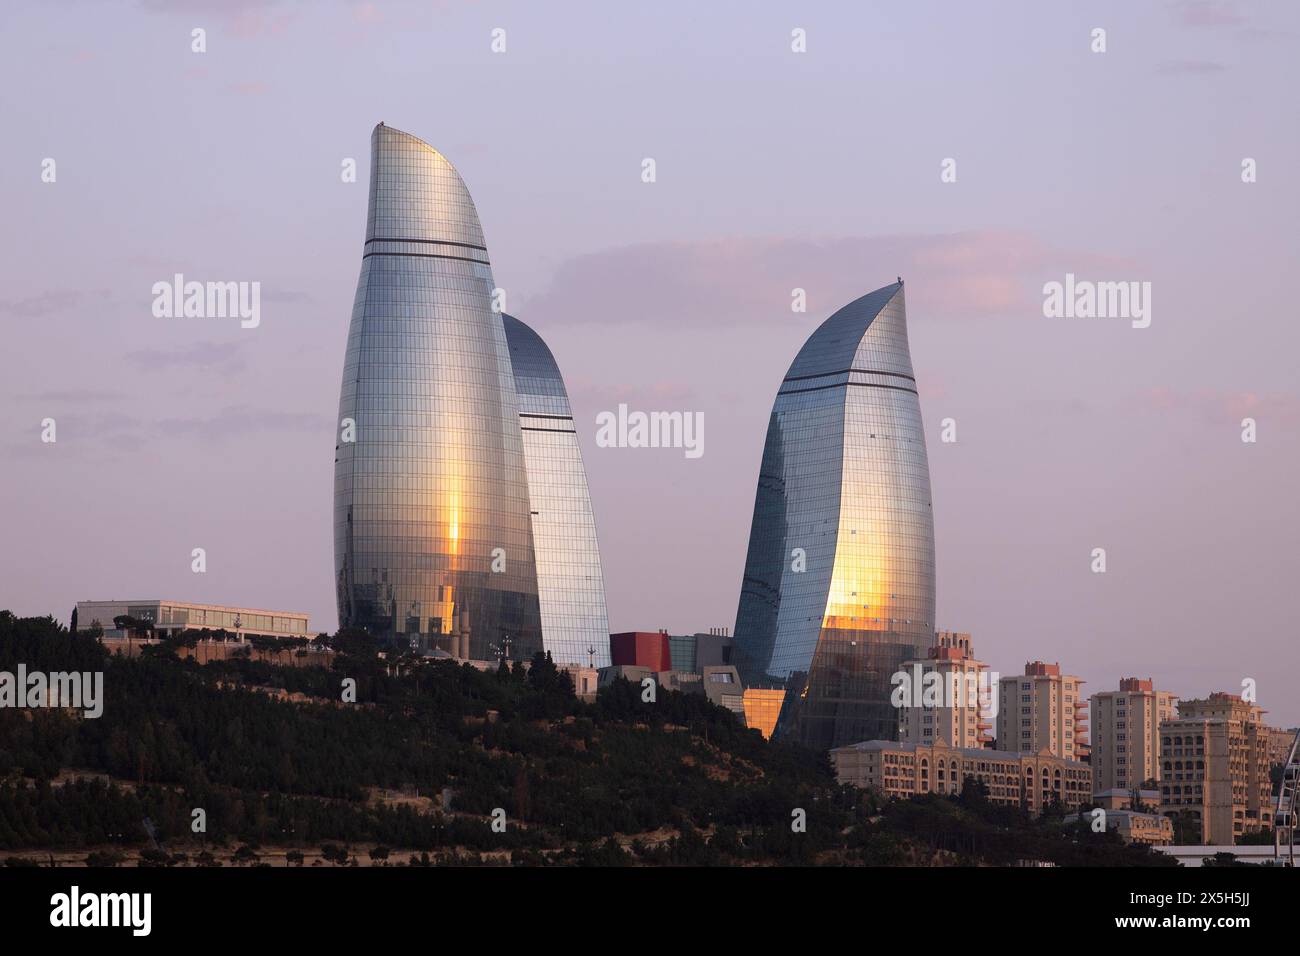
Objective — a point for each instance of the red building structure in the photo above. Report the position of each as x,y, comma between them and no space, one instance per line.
641,649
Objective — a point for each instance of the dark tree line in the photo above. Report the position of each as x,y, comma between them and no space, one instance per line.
570,775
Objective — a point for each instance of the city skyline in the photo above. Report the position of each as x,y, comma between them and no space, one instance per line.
1072,434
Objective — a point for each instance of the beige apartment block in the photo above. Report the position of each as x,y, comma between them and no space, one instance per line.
961,715
1279,745
1043,710
1215,768
1013,779
1126,734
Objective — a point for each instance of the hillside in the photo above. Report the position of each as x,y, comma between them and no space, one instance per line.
418,764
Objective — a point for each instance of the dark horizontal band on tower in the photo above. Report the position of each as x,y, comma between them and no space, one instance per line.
844,371
551,431
428,255
433,242
567,418
822,388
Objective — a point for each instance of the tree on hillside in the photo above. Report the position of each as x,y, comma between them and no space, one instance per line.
974,793
355,642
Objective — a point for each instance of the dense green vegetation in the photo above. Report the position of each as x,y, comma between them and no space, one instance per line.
681,780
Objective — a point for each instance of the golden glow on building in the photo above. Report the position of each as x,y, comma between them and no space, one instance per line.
437,479
838,587
762,708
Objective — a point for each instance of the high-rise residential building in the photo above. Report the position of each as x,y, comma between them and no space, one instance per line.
1032,781
1043,710
1126,734
838,586
1215,769
570,585
434,539
955,705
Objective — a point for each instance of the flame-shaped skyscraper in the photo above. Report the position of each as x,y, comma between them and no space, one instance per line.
433,522
838,588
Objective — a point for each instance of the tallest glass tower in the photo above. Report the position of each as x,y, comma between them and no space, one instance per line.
433,542
838,589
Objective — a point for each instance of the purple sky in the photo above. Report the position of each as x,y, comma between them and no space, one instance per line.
775,170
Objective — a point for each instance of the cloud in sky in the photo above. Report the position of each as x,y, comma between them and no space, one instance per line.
1208,13
237,420
245,19
1224,406
228,356
286,296
42,304
86,425
1189,67
651,395
76,395
750,280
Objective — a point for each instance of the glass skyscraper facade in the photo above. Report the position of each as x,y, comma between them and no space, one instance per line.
433,542
575,627
838,587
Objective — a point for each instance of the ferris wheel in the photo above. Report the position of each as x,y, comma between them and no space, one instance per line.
1288,804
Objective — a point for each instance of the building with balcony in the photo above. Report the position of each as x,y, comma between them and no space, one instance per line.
1043,710
1126,733
951,698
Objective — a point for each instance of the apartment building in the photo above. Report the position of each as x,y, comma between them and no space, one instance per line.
1279,745
1043,710
900,770
951,697
1215,768
1126,734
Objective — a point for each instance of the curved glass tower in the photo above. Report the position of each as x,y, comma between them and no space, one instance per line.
575,627
432,538
838,589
